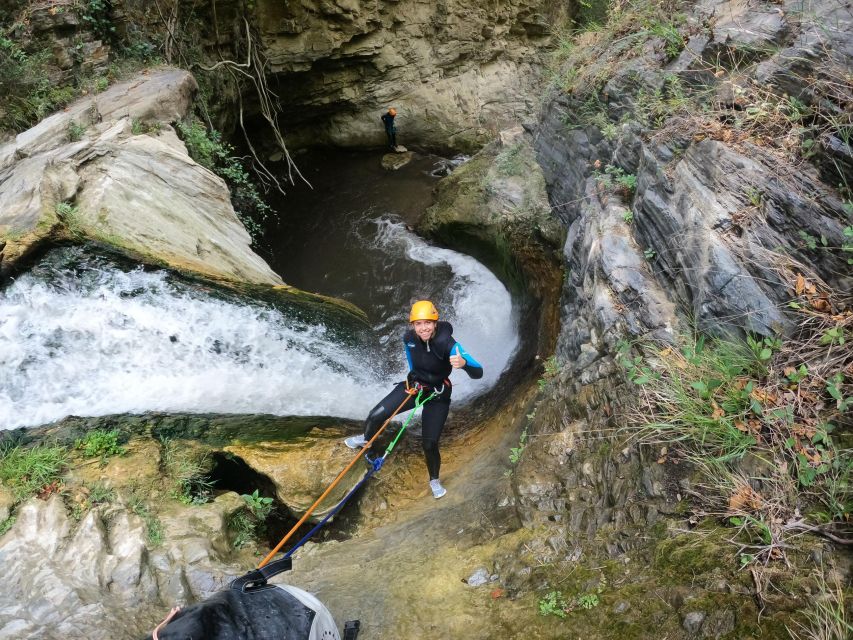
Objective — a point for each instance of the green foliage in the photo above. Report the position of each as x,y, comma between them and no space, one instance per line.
552,370
97,14
510,161
556,605
722,401
27,93
833,335
140,127
153,527
68,214
247,524
26,471
515,452
615,177
673,41
553,604
654,108
100,493
754,196
206,148
649,253
259,506
588,600
243,527
100,443
188,473
834,388
7,524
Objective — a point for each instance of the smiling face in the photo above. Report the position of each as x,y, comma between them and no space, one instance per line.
425,329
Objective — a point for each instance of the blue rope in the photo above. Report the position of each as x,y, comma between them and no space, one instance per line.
334,511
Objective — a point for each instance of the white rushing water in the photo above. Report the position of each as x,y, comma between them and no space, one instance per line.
96,340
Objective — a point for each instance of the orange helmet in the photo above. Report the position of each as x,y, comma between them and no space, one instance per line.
423,310
392,111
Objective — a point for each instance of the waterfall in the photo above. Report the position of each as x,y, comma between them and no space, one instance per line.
81,336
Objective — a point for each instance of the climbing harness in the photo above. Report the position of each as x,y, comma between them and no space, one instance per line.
375,465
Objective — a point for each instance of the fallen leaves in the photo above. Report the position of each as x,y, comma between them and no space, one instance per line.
745,499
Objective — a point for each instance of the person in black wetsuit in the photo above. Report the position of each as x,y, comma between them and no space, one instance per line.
432,353
390,128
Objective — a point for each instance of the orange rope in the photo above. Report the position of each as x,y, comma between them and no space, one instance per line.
411,392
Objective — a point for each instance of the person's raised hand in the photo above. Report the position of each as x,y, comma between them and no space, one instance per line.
456,360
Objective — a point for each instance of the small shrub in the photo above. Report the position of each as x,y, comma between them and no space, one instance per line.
258,505
553,604
139,127
100,443
75,131
673,41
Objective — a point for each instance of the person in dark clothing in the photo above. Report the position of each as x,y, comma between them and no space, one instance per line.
432,353
390,129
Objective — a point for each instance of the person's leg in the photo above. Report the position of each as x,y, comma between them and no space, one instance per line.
380,414
433,419
393,138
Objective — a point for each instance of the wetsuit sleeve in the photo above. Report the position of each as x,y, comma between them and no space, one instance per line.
408,353
473,368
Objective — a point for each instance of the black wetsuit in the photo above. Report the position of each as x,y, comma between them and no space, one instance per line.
390,130
429,367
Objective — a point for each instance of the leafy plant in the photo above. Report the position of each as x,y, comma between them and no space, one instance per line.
75,131
616,177
628,217
649,254
515,452
553,604
7,524
258,505
833,335
754,196
97,14
588,600
100,443
834,388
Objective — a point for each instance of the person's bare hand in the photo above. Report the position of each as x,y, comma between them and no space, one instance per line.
456,360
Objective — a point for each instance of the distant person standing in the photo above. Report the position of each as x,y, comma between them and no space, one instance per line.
390,129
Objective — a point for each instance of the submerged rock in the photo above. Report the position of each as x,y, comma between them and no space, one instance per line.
396,160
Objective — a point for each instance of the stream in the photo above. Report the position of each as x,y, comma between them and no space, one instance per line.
81,335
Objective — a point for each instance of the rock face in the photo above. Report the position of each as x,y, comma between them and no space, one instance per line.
112,566
82,172
718,225
455,71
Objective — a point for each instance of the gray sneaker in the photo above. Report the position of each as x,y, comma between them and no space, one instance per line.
355,442
437,489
